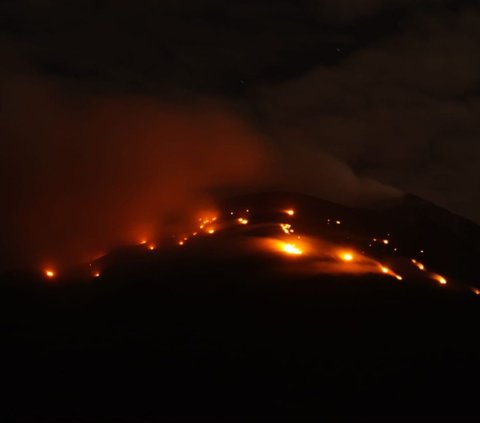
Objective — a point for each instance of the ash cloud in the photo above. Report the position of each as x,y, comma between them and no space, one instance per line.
403,111
316,103
81,174
349,11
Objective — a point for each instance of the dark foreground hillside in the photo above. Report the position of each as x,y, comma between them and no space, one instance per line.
190,336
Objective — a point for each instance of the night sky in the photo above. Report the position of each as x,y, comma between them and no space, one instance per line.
114,113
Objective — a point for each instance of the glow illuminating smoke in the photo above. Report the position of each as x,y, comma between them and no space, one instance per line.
83,174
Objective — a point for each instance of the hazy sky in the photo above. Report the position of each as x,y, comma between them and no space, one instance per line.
136,101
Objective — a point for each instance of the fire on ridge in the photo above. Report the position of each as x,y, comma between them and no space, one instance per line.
289,243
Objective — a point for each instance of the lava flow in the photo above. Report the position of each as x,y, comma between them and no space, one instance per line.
331,252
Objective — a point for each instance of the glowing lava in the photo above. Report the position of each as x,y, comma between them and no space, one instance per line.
440,279
49,273
390,272
291,249
346,256
286,227
418,264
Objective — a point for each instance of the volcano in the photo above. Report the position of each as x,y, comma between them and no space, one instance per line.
276,306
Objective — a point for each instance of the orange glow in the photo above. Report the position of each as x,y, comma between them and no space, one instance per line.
476,291
418,264
338,222
151,247
292,249
211,231
143,242
440,279
290,212
49,273
180,242
346,256
285,227
385,241
242,221
390,272
96,275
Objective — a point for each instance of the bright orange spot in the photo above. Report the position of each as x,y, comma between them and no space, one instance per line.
49,273
347,256
151,247
96,274
180,242
476,291
385,269
242,221
338,222
440,279
290,212
292,249
211,231
399,277
285,227
386,241
418,264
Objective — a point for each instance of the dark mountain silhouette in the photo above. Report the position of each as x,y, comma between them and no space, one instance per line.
213,329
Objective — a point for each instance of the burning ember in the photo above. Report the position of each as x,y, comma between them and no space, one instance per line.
49,273
440,279
418,264
291,249
346,256
323,256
